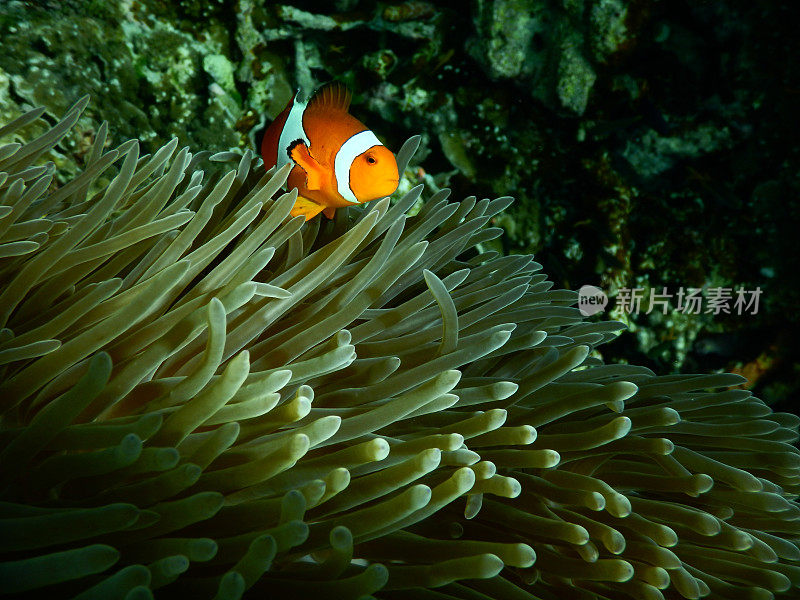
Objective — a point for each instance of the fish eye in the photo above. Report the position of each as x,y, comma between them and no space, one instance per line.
371,160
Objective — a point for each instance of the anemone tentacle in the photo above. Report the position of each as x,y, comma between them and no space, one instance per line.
202,395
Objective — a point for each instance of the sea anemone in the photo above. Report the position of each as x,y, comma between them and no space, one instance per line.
202,396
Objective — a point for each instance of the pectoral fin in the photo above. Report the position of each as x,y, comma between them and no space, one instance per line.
314,171
306,207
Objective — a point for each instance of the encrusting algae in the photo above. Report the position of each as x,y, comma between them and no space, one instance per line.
203,397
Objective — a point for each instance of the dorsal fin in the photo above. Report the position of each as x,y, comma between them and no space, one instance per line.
331,96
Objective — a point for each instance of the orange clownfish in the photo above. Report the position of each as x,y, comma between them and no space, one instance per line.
338,161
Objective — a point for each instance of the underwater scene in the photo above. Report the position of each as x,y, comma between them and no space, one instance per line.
360,299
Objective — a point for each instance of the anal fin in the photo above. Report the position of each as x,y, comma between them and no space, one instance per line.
305,207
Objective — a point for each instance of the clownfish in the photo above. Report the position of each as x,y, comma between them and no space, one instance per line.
338,161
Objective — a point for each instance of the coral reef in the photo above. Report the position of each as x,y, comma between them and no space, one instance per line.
202,397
